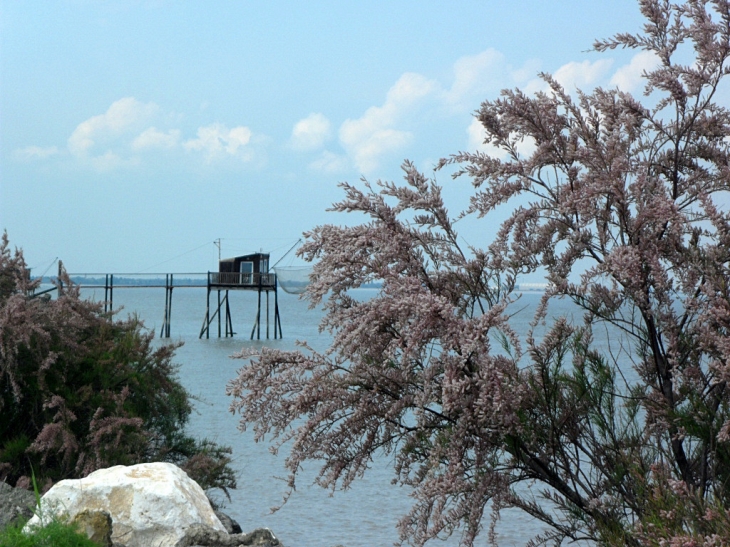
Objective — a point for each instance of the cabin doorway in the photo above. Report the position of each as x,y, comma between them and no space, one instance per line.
246,273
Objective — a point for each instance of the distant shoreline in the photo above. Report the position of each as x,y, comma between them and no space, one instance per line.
192,279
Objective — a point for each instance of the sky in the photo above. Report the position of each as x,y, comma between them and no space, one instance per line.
135,134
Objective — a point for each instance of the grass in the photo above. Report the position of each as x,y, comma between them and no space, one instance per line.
54,534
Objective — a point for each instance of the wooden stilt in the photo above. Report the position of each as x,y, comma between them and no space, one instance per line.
258,319
229,323
277,322
206,322
108,293
223,281
219,315
165,330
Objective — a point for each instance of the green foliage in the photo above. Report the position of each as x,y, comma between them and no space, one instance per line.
81,390
54,534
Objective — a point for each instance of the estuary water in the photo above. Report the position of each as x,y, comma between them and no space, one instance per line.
363,516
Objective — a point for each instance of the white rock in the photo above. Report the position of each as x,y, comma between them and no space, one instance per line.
151,504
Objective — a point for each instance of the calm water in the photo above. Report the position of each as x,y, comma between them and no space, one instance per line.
364,515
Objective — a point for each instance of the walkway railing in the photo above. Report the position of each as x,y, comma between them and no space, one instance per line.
219,281
242,279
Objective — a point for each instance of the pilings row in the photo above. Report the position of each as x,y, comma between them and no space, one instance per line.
222,312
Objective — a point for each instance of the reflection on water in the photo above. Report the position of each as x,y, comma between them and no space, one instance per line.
366,514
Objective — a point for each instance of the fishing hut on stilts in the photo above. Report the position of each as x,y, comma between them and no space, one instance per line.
241,273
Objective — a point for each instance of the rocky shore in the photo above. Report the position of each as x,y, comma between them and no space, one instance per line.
147,504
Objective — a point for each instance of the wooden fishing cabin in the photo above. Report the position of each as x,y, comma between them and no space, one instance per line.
250,273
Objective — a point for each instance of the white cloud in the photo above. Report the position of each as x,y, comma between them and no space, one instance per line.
109,161
154,138
122,116
582,75
629,77
367,138
30,153
330,163
367,149
217,141
476,75
131,131
524,74
388,129
476,136
574,75
311,133
409,88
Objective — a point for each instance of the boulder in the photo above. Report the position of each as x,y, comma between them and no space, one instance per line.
14,504
203,536
96,525
150,504
231,526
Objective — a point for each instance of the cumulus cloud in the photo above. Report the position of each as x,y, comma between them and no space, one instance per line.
130,132
574,75
582,75
154,138
122,116
476,75
628,77
370,136
388,129
109,161
367,147
311,133
476,137
30,153
217,141
330,163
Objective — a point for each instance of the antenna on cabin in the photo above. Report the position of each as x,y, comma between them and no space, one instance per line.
217,243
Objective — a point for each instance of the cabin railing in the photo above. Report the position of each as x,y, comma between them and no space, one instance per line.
242,279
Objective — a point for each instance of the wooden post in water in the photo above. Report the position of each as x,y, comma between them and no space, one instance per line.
277,319
218,312
205,329
206,322
248,273
108,293
58,278
165,330
229,322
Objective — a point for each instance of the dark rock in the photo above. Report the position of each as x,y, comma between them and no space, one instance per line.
15,503
204,536
231,526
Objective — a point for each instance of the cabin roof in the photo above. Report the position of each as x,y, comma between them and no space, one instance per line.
252,256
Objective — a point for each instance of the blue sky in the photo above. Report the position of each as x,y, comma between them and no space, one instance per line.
135,133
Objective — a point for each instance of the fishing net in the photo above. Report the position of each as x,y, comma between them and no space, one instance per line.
293,279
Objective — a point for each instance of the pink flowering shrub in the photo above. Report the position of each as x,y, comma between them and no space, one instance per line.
80,390
624,207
